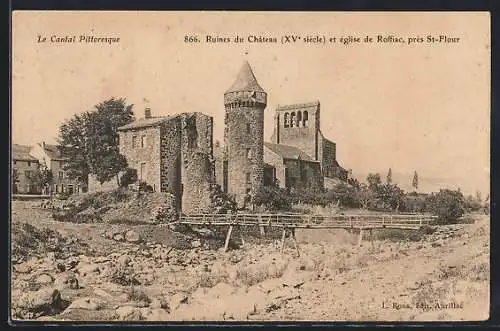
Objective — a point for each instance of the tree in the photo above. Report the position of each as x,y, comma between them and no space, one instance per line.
346,194
366,196
415,181
389,176
42,178
448,205
90,141
391,196
373,180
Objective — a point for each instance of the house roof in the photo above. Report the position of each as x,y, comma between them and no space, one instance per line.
298,105
245,81
21,153
52,151
288,152
144,123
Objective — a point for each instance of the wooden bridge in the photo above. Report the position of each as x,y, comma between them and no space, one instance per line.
290,222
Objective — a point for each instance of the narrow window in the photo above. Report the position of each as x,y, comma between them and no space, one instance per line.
248,128
287,121
292,120
15,161
142,173
248,153
247,178
134,139
143,141
305,119
29,164
61,174
299,119
27,174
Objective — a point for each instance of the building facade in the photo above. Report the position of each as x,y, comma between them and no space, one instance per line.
172,154
49,156
23,169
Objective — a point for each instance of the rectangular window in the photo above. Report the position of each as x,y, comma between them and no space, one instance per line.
27,174
61,174
248,153
29,164
142,173
247,178
143,141
248,128
134,140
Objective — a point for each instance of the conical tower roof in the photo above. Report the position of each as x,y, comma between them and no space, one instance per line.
245,81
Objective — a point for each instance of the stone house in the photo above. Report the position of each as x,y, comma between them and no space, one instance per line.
23,167
49,156
172,154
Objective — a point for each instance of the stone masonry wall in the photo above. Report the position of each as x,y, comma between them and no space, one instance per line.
143,153
197,162
277,161
170,158
303,136
239,140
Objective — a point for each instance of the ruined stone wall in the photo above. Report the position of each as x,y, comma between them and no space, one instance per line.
244,146
219,165
143,153
303,133
170,158
198,171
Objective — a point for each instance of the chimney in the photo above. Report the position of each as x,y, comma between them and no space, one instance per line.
147,112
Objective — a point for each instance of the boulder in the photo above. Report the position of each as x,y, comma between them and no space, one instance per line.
129,313
46,301
132,236
87,303
124,260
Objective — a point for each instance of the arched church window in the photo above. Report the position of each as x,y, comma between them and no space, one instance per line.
305,119
293,120
299,119
287,120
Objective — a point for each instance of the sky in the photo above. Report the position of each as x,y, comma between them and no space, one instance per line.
421,107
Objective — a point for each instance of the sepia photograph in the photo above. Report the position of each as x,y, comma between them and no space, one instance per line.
250,166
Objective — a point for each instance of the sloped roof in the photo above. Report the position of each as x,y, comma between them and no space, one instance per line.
144,123
288,152
21,153
245,81
298,105
52,151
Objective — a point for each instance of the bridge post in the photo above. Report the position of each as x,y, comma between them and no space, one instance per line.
295,243
283,240
226,244
360,238
261,227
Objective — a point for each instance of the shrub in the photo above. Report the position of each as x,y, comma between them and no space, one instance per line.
272,198
145,187
128,177
347,195
447,205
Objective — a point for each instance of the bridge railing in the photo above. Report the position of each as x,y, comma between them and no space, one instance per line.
317,221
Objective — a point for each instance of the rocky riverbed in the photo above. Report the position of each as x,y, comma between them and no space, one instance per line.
97,272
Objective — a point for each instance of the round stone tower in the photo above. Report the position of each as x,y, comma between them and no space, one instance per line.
244,102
